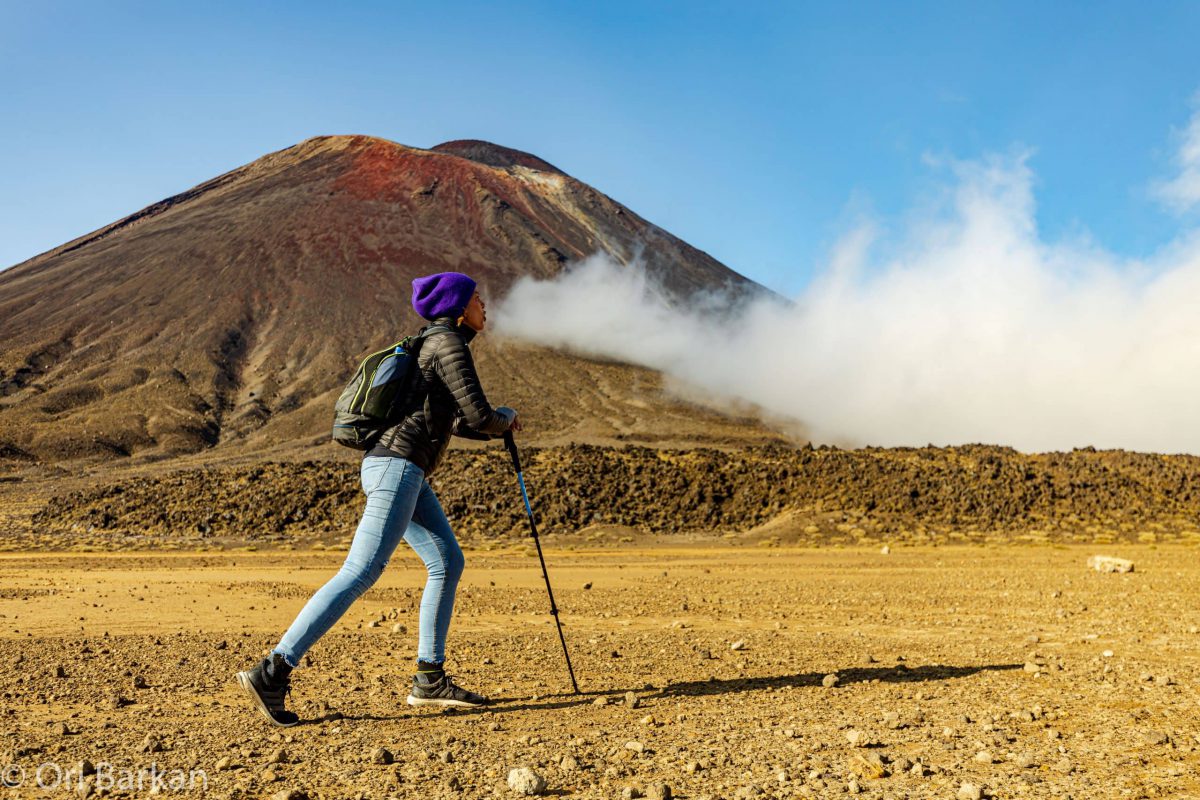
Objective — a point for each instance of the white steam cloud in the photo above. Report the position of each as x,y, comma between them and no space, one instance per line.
1182,193
971,330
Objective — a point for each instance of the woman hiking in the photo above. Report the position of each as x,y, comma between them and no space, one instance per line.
401,504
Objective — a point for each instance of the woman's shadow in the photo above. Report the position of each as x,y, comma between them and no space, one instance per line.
717,686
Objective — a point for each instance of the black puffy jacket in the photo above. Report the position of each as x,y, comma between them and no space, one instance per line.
454,403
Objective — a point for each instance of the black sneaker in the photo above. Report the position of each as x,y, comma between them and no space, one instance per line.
443,692
268,683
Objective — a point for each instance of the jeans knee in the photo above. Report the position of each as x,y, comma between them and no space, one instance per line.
361,578
455,563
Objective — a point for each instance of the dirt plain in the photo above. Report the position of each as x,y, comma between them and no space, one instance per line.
1013,670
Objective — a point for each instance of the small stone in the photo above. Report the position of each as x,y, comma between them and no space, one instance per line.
1110,564
1064,765
647,720
86,767
221,645
1026,760
830,680
856,737
59,671
782,776
691,767
969,791
984,757
852,787
587,585
152,744
290,794
278,756
381,755
891,720
630,793
523,780
632,700
140,683
1033,667
600,701
869,766
738,645
1164,680
1107,654
635,746
268,775
447,757
569,763
885,550
223,763
1156,738
372,624
399,627
658,791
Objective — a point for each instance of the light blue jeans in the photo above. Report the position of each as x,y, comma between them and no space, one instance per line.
400,505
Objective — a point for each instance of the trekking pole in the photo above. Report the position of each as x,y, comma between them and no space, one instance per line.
516,459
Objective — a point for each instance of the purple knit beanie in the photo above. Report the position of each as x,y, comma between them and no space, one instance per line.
445,294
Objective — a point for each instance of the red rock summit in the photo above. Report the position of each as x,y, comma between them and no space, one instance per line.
228,315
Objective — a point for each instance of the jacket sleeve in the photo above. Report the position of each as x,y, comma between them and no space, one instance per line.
454,366
462,429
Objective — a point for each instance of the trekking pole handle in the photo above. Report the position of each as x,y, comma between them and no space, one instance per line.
512,450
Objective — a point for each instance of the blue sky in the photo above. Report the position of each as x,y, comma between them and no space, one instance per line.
758,132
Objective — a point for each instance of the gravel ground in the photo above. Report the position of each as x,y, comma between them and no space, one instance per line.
708,670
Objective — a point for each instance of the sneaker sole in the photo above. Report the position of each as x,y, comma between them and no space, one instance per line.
243,680
442,701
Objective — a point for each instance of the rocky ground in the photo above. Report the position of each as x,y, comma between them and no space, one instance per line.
816,496
708,670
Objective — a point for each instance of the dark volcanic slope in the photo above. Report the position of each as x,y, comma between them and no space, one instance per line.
229,314
973,493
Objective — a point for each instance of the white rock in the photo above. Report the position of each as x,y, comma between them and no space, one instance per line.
738,645
1110,564
523,780
969,791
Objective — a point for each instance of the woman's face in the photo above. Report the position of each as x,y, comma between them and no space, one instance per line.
475,314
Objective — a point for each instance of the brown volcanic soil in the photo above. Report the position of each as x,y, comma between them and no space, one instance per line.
775,494
1013,669
227,317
